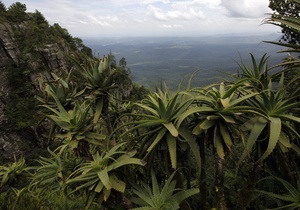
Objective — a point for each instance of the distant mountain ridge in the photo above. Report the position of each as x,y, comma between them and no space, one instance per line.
156,59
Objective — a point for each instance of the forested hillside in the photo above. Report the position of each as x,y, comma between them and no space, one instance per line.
30,48
153,60
77,133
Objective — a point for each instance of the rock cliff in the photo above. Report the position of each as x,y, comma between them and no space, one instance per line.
8,47
38,59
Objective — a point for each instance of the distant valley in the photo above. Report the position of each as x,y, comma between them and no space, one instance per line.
153,60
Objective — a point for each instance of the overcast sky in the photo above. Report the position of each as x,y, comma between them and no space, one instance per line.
88,18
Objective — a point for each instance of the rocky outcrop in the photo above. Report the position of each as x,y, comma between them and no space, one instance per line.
4,94
53,56
8,51
11,146
49,57
8,46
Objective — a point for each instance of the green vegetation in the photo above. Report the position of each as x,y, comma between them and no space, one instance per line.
290,9
32,33
156,198
229,145
19,109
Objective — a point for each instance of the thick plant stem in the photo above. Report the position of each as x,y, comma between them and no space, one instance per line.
106,118
83,150
219,183
202,184
245,194
283,166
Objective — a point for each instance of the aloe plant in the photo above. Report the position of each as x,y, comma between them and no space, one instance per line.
219,111
255,77
291,197
61,86
64,90
100,175
165,198
271,126
10,172
49,174
73,120
159,112
272,118
75,124
216,117
98,74
99,80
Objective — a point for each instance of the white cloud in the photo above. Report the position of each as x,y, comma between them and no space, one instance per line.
138,20
177,11
109,18
157,13
196,4
155,1
83,22
98,21
187,14
246,8
170,26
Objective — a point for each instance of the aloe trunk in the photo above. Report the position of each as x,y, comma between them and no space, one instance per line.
106,118
83,150
219,183
202,184
280,163
245,194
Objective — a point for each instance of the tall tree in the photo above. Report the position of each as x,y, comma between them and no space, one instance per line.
40,19
2,8
17,12
287,8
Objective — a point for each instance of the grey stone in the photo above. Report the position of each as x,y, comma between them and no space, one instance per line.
51,59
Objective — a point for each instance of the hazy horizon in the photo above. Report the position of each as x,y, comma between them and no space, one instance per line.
156,59
257,34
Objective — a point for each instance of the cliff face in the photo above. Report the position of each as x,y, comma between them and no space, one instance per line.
8,52
8,47
40,60
53,56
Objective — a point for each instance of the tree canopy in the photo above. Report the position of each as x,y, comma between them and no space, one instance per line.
290,9
17,12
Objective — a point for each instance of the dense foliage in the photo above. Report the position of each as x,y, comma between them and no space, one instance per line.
287,8
113,145
32,34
